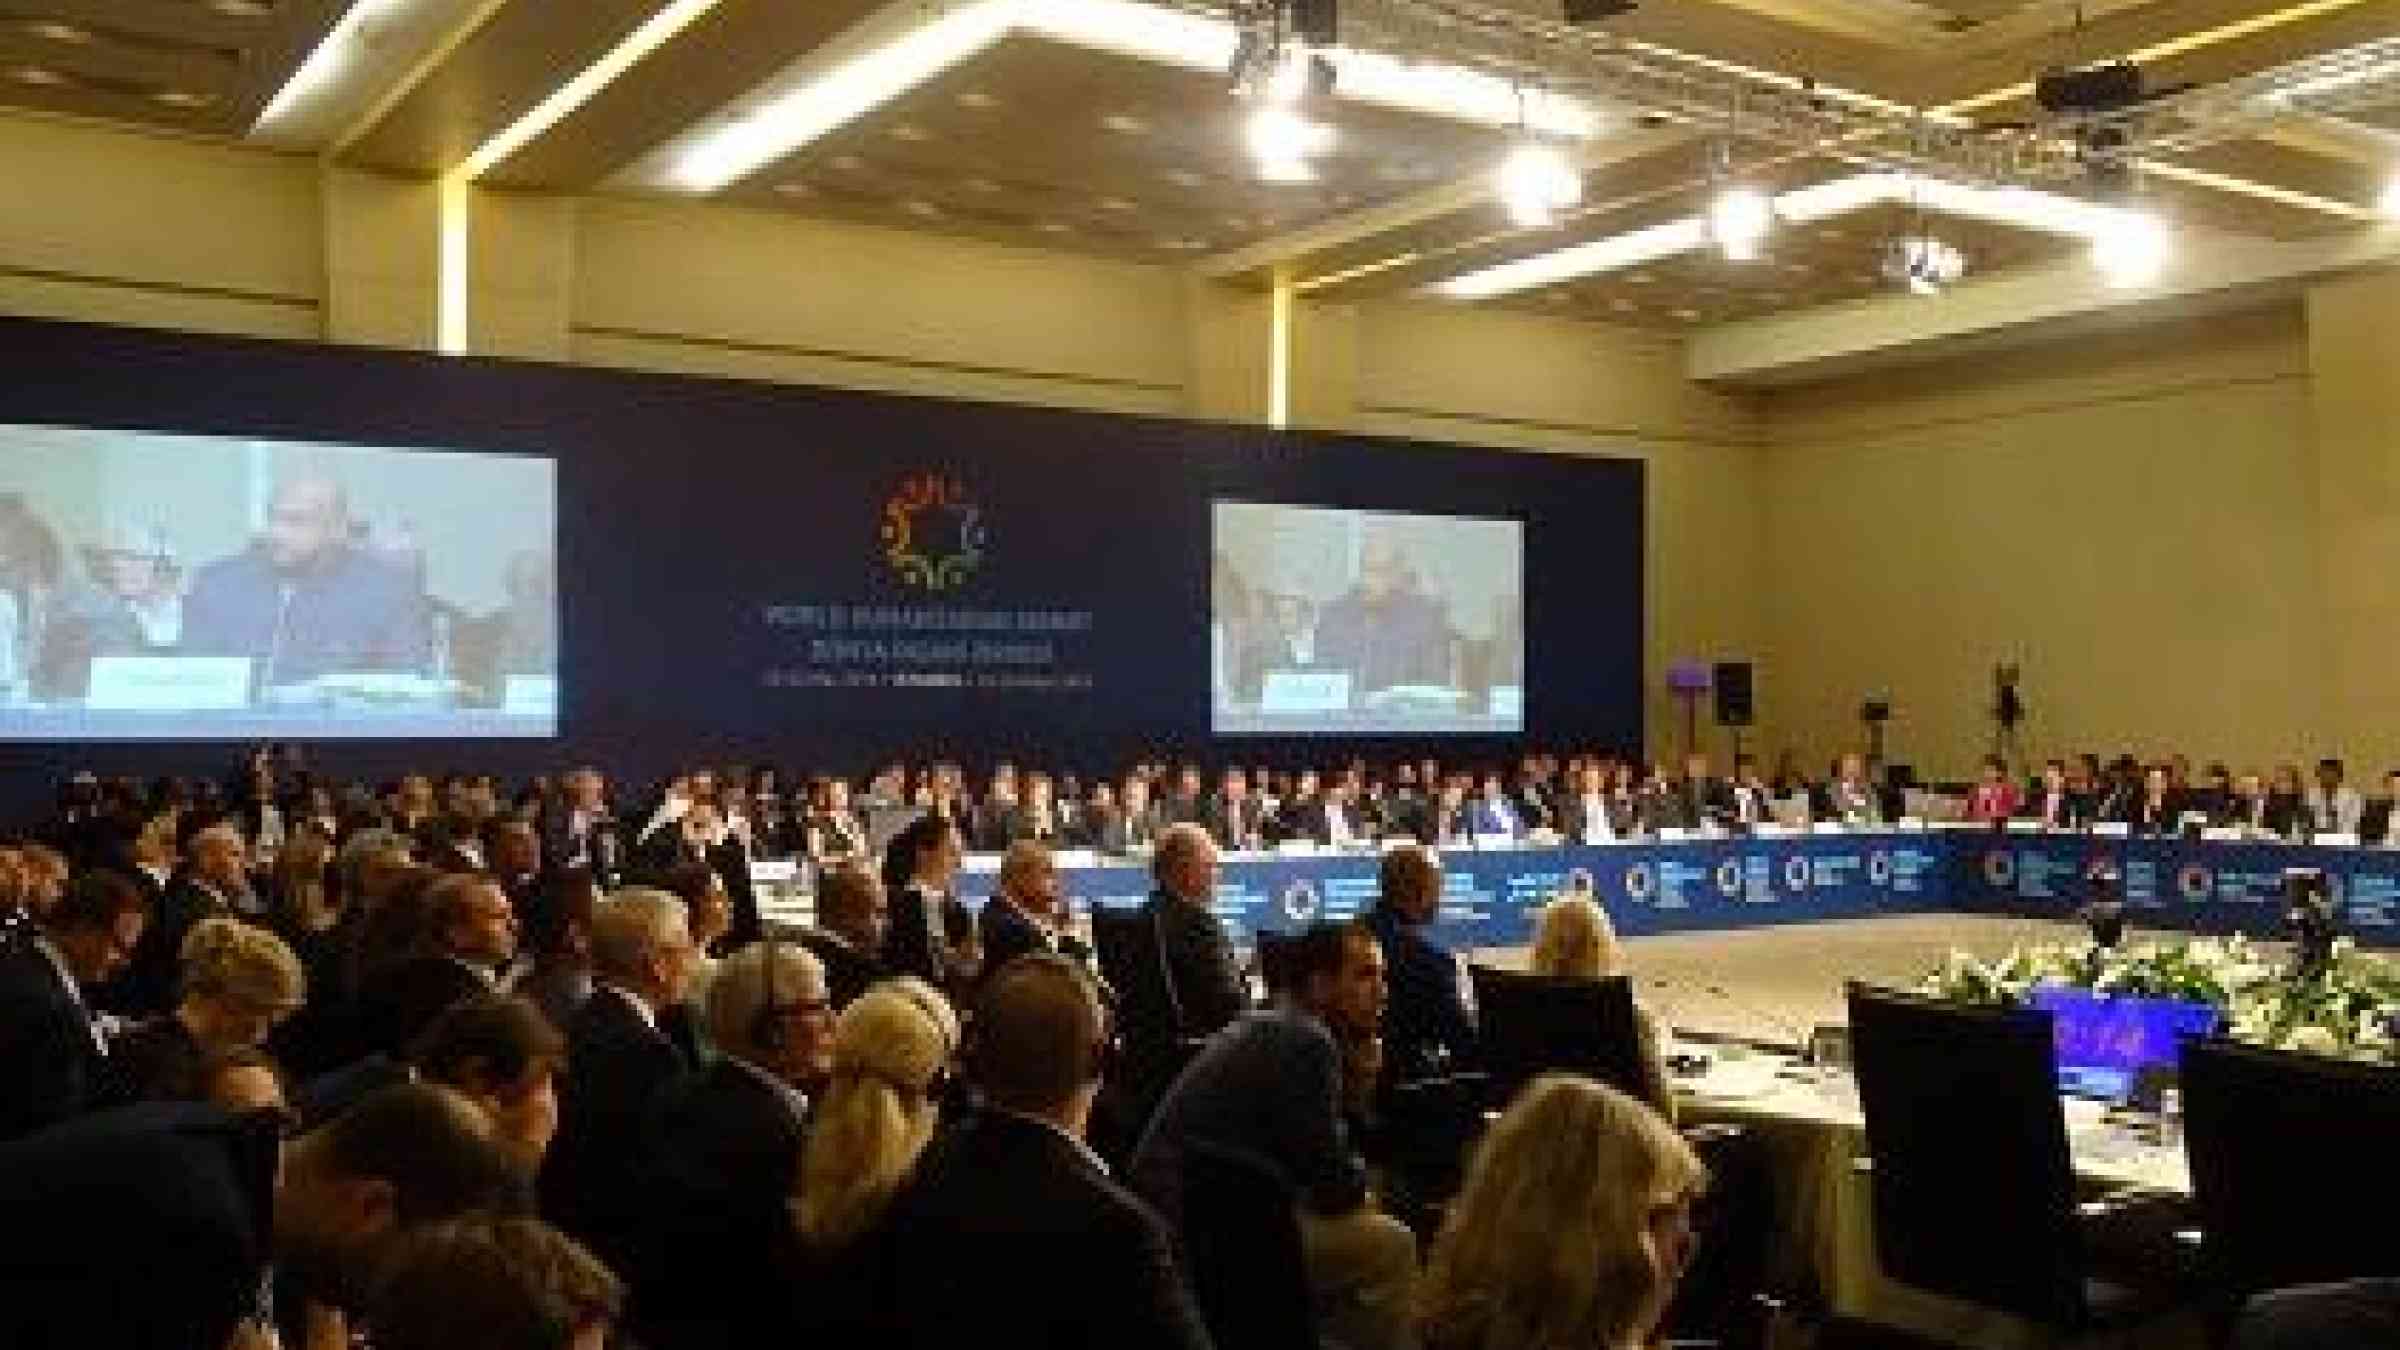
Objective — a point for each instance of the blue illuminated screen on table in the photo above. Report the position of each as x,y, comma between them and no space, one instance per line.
2104,1043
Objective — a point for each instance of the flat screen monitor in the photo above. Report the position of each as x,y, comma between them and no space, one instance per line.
2106,1044
159,586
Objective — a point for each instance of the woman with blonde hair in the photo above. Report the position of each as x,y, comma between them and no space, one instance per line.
237,982
1574,939
892,1048
1572,1229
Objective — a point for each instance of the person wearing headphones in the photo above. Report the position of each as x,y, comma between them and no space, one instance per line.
1017,1177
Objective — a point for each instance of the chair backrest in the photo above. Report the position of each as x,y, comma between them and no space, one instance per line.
2284,1147
1241,1251
1275,953
1973,1189
1536,1024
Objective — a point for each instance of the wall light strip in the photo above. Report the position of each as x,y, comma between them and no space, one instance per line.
653,33
450,263
333,57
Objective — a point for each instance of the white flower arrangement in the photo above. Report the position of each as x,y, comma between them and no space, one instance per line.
2352,1008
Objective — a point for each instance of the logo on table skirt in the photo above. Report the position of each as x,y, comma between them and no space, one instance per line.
1729,878
1795,873
2195,883
1879,868
932,532
1299,902
1640,883
2000,868
1581,882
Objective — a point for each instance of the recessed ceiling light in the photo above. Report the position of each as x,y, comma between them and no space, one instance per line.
978,100
1557,297
1622,305
1054,227
983,185
1114,204
794,189
1641,278
1832,236
241,9
55,31
182,98
848,163
1687,315
36,75
1236,222
908,131
1184,178
1126,124
1183,245
921,208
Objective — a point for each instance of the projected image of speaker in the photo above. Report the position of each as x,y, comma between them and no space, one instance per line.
1732,685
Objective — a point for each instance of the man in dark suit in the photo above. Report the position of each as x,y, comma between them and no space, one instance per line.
621,1062
699,834
1133,823
1186,803
578,830
1017,1177
215,879
1235,818
728,1150
1026,906
51,1056
1203,988
1426,1029
159,1221
304,601
512,853
474,937
848,939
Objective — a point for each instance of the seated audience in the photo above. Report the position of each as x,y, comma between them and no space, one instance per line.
1235,818
2285,813
191,1206
469,939
240,1081
1028,909
1994,798
492,1283
2152,811
2334,807
557,972
729,1142
832,831
238,982
1275,1085
1493,815
892,1057
920,867
1574,939
215,879
504,1057
1426,1029
51,1051
621,1061
2053,803
1017,1177
2380,822
1572,1230
1201,984
1850,799
848,938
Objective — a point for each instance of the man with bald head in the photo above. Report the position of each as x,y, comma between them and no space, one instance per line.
1385,631
304,600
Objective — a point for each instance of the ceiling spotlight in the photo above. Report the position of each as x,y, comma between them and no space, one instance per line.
1738,220
1536,183
1282,141
1922,263
2389,202
2131,250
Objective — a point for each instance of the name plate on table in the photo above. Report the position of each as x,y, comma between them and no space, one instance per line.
169,683
1911,825
1772,829
530,694
1673,834
2111,829
1495,841
1305,691
979,863
2336,838
1076,857
2026,827
1393,841
1829,827
1595,838
2224,834
1297,848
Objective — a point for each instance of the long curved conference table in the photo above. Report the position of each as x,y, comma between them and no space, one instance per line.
1490,896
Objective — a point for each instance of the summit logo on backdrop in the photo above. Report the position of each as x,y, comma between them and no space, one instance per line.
932,532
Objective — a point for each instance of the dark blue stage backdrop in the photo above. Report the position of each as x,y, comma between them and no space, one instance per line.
733,581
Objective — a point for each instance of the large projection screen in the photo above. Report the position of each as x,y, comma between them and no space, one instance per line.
212,588
1343,622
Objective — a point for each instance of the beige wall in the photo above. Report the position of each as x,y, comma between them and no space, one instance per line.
2130,518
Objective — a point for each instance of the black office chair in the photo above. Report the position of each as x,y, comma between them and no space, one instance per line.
1973,1190
1535,1024
1241,1251
1274,958
2286,1156
1154,1051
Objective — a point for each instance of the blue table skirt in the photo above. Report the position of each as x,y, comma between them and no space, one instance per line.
1490,896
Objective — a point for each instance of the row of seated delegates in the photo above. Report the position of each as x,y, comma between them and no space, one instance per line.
2161,797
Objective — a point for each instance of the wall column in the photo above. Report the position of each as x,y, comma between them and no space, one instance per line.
2354,390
